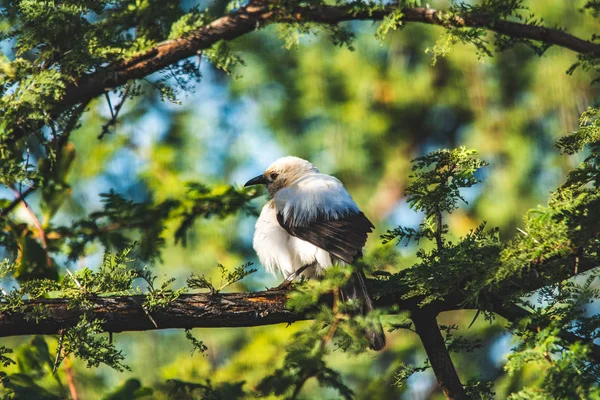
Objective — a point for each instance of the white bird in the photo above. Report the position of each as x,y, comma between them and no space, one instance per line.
309,223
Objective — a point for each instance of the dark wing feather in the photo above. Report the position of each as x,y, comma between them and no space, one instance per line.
344,237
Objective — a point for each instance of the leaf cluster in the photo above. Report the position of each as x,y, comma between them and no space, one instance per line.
228,278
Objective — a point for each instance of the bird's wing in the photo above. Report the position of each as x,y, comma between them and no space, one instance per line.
318,209
344,238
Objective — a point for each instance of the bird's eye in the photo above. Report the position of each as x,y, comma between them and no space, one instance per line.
274,175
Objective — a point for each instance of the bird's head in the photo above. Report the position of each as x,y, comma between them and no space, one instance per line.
283,173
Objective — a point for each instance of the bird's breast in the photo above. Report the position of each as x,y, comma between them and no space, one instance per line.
280,252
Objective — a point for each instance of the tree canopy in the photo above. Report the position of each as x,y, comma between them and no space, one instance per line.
468,132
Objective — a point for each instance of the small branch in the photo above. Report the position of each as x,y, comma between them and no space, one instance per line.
439,241
38,227
74,279
20,198
70,378
59,352
336,319
306,375
428,330
114,114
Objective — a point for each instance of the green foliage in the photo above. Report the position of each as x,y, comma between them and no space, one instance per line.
446,42
435,189
34,358
114,277
228,278
323,103
222,56
391,22
20,386
305,356
458,344
406,371
131,389
188,390
197,345
588,133
303,360
120,216
4,360
84,340
438,178
203,202
480,390
568,370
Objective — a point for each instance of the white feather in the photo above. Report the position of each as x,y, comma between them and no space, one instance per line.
312,196
280,252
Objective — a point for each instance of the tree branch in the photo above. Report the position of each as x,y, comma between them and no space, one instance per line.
125,313
261,13
20,198
428,330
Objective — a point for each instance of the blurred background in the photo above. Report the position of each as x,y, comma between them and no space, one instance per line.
360,115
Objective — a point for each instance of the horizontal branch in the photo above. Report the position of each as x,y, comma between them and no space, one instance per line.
125,313
261,13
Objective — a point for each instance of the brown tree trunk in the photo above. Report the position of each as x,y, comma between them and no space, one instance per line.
428,330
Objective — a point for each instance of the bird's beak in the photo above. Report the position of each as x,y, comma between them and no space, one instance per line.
257,180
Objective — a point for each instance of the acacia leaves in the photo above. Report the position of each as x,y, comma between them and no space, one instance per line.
438,177
435,188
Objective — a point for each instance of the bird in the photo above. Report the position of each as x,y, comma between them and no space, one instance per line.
310,223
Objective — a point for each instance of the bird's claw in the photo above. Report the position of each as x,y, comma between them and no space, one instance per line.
285,285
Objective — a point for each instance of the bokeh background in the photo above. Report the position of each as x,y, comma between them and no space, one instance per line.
360,115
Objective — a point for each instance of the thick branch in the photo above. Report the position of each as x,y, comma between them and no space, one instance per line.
428,330
258,14
125,313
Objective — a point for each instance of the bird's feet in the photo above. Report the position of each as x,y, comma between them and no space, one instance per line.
285,285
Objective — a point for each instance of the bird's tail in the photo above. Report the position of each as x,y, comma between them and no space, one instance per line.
356,288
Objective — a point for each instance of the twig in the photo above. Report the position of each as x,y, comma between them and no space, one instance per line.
115,114
74,279
300,385
324,340
58,351
24,169
438,233
145,312
110,107
20,198
38,226
527,234
474,318
70,378
336,319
